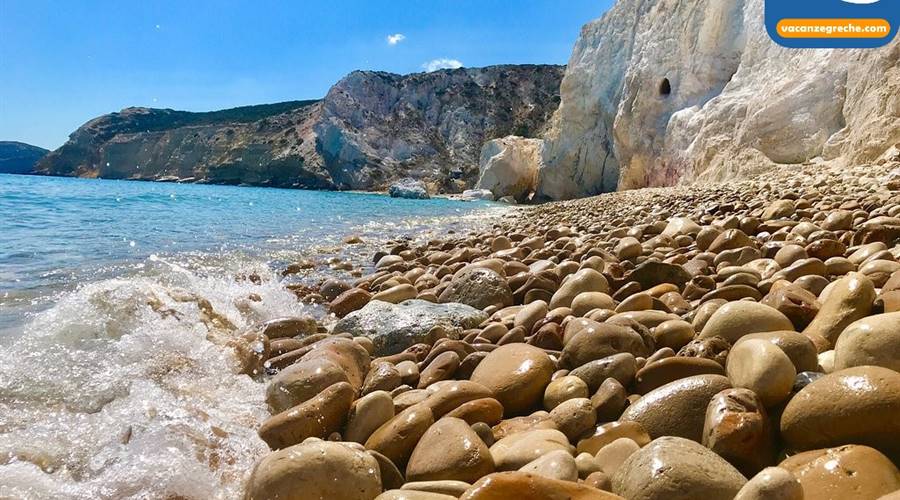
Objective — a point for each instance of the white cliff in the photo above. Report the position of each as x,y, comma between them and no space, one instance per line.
659,92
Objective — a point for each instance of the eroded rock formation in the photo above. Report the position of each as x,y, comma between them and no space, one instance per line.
660,92
377,126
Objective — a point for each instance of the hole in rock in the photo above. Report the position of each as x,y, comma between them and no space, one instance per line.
665,88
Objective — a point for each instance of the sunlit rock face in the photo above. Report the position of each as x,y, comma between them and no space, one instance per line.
660,92
370,130
509,166
270,144
377,126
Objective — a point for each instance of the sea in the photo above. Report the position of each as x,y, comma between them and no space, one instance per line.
114,383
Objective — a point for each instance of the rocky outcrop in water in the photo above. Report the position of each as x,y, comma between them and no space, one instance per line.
371,129
18,157
658,93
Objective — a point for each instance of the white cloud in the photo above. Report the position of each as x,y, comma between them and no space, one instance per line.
442,63
395,38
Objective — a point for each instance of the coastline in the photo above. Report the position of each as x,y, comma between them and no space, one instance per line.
663,264
227,339
175,180
139,347
109,258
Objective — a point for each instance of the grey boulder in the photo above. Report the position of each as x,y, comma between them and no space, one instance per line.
478,287
409,188
394,327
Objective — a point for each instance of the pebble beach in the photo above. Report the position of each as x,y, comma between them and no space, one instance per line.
717,341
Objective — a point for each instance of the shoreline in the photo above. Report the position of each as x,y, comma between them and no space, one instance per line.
381,192
526,282
188,310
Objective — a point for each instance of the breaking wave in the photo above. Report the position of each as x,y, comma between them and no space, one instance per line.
118,303
126,388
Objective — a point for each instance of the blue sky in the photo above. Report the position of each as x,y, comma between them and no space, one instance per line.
62,63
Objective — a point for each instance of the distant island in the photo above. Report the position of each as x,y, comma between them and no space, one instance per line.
19,158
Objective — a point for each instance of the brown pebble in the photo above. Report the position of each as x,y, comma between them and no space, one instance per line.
850,471
659,373
318,417
397,437
449,450
677,408
737,428
516,374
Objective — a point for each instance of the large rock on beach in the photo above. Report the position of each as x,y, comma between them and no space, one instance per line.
394,327
517,375
772,483
600,340
874,340
850,471
849,299
301,382
397,438
517,450
736,319
478,287
650,274
348,301
738,429
799,348
508,166
677,408
477,194
449,450
318,417
762,367
529,486
585,280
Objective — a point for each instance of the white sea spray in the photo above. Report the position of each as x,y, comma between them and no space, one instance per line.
116,378
116,392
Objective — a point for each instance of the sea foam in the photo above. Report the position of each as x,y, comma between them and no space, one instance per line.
125,389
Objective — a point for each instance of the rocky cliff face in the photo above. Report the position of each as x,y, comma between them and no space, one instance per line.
18,157
371,129
659,92
258,145
430,126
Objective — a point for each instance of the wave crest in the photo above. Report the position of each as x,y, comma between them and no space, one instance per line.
126,388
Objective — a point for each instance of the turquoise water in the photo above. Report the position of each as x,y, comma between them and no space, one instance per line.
57,233
114,380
